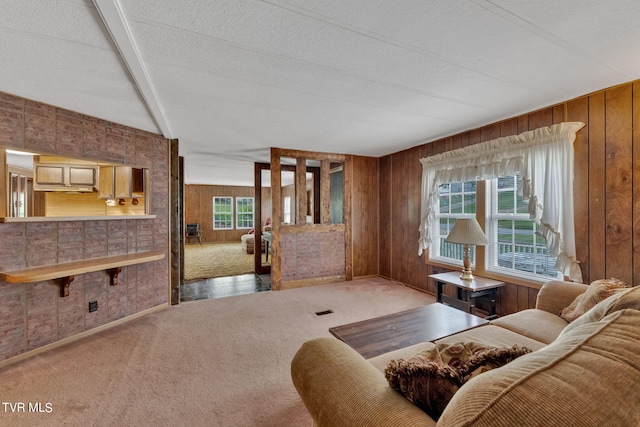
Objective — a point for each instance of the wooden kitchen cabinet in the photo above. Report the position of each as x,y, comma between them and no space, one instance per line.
121,182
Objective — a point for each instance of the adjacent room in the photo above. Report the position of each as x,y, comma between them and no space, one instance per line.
288,213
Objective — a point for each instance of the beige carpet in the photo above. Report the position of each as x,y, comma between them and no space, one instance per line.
221,362
208,260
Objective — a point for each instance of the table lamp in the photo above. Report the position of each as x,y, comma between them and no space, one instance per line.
467,232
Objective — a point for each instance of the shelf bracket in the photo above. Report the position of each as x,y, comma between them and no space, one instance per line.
65,284
113,272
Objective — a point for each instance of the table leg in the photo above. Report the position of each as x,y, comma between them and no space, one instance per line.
468,297
439,291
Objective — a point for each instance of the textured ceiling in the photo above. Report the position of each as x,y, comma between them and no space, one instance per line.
231,78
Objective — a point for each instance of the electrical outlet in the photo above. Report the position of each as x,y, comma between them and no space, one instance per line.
93,306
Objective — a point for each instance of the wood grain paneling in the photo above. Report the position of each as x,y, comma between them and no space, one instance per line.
365,216
198,208
386,207
619,188
606,191
596,212
579,112
636,183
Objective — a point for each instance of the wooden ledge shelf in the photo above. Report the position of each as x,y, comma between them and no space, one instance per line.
68,270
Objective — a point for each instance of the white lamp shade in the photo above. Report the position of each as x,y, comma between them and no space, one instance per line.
467,232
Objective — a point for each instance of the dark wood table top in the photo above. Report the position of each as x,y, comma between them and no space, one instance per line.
380,335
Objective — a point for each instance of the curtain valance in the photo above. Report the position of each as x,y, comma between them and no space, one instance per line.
544,159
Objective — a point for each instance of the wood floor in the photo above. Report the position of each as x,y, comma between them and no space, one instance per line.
220,287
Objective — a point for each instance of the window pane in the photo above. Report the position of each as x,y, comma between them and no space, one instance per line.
505,182
506,201
470,203
244,212
456,203
523,232
444,227
444,204
457,200
519,248
505,231
223,213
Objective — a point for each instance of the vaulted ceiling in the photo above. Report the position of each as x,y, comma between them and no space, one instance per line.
231,78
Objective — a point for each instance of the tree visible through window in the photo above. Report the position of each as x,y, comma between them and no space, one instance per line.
244,212
223,213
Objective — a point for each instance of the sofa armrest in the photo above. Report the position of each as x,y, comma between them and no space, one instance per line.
556,295
340,388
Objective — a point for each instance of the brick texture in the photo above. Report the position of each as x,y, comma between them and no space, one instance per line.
33,315
312,255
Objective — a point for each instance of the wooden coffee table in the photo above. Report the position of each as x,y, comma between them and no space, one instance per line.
380,335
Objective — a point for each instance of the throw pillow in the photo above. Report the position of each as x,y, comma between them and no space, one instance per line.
624,298
597,291
431,378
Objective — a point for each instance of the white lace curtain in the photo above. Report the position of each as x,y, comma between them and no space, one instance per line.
544,159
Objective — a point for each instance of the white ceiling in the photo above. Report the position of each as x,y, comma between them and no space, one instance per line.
231,78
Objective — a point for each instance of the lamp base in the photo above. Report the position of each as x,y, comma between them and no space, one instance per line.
466,275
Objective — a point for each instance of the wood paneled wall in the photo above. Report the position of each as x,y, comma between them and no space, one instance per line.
365,216
198,208
606,191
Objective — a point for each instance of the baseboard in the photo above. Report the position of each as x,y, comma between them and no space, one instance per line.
407,285
291,284
80,336
367,276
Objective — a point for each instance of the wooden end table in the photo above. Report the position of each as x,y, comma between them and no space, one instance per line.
380,335
467,291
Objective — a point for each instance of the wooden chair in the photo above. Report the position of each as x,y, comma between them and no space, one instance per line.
193,231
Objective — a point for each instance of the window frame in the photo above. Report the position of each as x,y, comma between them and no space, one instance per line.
252,213
230,214
492,227
485,202
435,254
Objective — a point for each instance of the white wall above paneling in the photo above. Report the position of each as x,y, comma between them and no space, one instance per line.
231,78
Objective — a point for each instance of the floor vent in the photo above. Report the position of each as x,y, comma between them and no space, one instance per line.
322,313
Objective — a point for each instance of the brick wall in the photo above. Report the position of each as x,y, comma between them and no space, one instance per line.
312,255
34,314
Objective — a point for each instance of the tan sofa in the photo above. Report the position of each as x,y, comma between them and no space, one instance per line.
586,373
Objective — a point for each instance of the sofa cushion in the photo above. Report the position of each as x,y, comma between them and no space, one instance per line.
597,291
537,324
588,376
381,362
430,378
493,336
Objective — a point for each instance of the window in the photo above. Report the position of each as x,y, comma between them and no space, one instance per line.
544,158
456,200
286,212
223,213
514,246
244,212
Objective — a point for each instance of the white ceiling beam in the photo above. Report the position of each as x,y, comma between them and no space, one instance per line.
115,22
